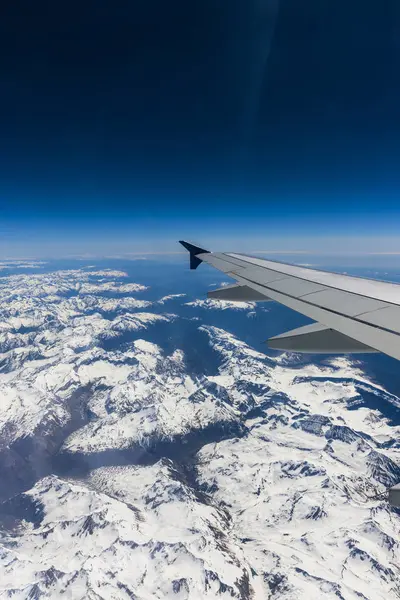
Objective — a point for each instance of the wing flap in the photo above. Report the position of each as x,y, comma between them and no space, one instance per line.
388,317
296,288
344,302
263,276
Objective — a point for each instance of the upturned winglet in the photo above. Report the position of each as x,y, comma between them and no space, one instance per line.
194,252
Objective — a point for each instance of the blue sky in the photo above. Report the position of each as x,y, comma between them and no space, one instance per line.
229,124
154,224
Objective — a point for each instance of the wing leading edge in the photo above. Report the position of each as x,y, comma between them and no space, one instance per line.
353,314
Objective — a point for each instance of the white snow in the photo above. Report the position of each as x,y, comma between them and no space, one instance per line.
305,493
211,304
287,503
145,535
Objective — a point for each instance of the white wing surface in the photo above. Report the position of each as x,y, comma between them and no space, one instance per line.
353,314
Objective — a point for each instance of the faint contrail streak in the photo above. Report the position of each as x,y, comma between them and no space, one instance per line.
260,34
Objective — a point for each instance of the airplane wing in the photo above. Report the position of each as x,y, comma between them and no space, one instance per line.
352,314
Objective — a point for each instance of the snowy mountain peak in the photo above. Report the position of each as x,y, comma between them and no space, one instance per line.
151,453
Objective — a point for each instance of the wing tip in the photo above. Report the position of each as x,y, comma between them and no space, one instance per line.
193,251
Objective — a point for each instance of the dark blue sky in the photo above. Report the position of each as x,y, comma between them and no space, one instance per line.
128,118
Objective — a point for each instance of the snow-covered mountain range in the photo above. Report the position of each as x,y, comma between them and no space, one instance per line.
128,472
